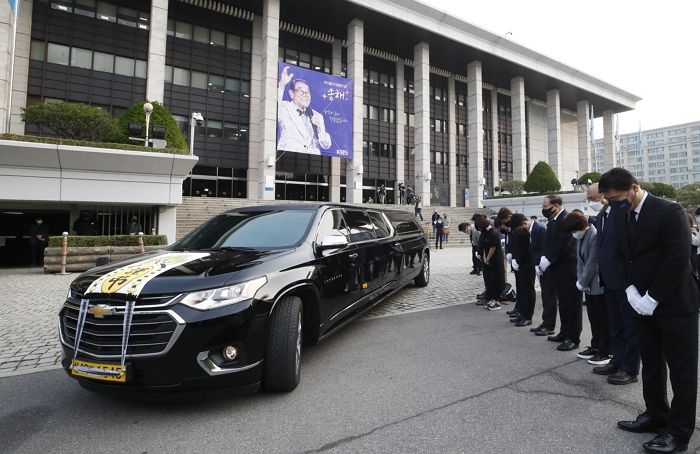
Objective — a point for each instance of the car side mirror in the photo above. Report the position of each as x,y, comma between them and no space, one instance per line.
332,242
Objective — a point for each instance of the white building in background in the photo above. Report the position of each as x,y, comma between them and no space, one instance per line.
668,155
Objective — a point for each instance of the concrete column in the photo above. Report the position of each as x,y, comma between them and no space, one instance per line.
554,132
21,76
421,74
517,121
495,170
475,134
356,61
261,175
155,84
609,151
584,137
400,127
336,69
5,49
452,138
167,216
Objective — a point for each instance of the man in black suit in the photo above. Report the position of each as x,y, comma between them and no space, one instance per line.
653,235
538,238
558,269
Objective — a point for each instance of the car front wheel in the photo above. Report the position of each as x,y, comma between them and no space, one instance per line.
424,277
283,353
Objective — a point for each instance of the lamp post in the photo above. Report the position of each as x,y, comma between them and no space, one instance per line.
148,110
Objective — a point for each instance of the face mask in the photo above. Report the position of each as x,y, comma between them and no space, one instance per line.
579,234
547,212
623,204
596,206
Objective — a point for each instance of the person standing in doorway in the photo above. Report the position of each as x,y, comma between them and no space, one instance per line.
135,226
38,240
419,207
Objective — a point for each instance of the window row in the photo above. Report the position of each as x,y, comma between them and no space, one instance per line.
439,157
205,81
233,132
205,35
87,59
379,113
305,59
377,149
377,78
104,11
438,125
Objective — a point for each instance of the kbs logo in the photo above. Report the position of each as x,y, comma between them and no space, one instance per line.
342,152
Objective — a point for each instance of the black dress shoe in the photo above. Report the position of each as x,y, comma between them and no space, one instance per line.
537,328
567,345
524,322
622,378
608,369
516,319
665,443
511,312
561,337
544,331
473,272
643,424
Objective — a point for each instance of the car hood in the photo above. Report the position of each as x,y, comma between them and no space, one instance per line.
201,270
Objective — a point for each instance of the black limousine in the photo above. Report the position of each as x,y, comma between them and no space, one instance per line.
231,303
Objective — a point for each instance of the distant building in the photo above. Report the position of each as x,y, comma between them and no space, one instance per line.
667,155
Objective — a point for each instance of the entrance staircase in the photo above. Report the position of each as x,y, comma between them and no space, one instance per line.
196,210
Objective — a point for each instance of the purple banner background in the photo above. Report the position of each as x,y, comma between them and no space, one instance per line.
331,96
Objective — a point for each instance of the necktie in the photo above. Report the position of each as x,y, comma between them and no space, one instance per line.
631,227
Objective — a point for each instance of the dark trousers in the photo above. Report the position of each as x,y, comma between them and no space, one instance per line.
598,317
36,252
419,214
439,233
670,340
476,263
549,300
525,287
623,338
570,303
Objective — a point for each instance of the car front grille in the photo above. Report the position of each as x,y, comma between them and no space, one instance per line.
152,331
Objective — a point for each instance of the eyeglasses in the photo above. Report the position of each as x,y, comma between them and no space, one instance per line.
302,92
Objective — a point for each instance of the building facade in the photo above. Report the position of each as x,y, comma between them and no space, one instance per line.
440,105
668,155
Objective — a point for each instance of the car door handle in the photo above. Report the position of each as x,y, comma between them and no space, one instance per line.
353,256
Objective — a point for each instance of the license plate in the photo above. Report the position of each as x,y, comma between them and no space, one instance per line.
98,371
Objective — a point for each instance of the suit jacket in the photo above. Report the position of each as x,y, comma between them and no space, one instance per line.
560,248
296,132
587,262
521,248
657,257
538,238
612,275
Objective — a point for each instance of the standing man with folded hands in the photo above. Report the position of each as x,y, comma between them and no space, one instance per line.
663,291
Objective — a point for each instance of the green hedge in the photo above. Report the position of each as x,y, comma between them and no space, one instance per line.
542,179
116,240
159,117
83,143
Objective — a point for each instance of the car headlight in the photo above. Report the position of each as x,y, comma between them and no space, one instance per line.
224,296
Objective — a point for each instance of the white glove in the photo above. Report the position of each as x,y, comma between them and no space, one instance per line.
637,302
544,263
478,257
509,257
539,271
514,264
580,287
647,305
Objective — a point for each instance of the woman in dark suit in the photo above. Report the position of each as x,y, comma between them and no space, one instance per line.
492,258
524,268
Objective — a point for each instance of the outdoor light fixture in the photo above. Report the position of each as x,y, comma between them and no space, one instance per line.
158,132
148,110
196,118
135,129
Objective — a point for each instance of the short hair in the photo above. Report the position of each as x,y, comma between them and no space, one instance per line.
554,199
293,83
462,227
477,216
517,220
617,179
575,221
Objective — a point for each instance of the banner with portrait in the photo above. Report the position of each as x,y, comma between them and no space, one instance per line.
314,112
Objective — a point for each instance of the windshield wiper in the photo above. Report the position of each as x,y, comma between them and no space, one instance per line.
230,248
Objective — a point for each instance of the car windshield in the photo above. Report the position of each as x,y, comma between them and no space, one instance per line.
250,230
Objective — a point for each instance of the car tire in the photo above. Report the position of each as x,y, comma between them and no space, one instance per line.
283,353
424,276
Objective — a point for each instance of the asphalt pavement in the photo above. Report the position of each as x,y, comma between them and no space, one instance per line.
407,378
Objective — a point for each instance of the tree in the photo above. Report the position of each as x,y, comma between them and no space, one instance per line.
593,176
70,120
660,189
542,179
515,187
689,196
159,117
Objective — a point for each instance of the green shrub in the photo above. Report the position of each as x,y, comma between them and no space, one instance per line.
689,196
660,189
116,240
542,179
593,176
159,117
83,143
515,187
71,120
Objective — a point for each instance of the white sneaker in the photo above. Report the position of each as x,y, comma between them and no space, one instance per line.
493,305
599,360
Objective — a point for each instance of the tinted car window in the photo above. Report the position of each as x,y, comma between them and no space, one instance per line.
381,229
360,226
332,223
252,229
403,223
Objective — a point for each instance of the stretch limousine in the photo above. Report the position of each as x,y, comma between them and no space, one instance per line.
232,303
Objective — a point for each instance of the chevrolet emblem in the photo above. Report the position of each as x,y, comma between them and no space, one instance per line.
100,310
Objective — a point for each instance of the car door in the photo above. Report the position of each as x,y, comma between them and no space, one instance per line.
388,250
411,239
362,235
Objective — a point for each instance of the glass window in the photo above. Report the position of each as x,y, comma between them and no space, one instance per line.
245,87
332,224
233,42
250,229
171,27
106,11
231,132
233,85
103,62
214,128
81,58
218,38
124,66
373,113
247,45
127,16
199,80
62,5
216,83
373,77
381,229
360,226
317,63
201,34
58,54
145,20
38,50
183,30
141,69
85,8
384,80
181,76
